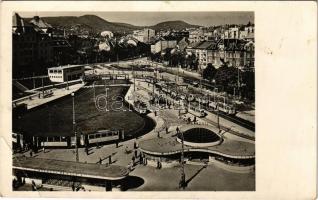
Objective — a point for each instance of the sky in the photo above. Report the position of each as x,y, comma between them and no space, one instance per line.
152,18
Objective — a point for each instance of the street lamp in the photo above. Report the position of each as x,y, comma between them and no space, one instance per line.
74,127
182,181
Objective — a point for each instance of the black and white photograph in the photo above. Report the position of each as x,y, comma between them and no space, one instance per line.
133,101
158,99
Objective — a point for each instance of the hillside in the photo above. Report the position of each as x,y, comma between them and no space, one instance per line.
176,25
89,23
95,24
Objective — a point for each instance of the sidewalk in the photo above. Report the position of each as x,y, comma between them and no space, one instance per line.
57,93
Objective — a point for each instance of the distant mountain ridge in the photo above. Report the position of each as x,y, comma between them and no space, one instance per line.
98,24
177,25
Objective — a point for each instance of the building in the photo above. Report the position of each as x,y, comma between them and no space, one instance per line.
163,45
201,52
44,26
65,73
183,43
232,33
196,35
180,34
249,58
144,35
237,53
31,46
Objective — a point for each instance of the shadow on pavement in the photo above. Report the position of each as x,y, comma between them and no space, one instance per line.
132,182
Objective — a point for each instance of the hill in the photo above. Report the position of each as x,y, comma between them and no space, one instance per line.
176,25
89,23
95,24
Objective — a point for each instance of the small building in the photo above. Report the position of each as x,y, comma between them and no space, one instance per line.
65,73
162,45
144,35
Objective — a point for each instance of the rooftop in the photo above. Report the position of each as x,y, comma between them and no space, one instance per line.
89,170
66,67
229,147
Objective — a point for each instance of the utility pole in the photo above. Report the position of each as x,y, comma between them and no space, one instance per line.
94,91
238,80
106,97
33,81
74,128
182,181
133,73
42,88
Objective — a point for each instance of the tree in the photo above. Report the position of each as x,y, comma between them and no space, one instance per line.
209,72
227,77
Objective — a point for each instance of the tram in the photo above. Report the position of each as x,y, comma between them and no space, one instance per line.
83,139
226,108
199,112
140,107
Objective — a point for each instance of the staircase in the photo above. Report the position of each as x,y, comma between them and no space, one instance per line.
20,86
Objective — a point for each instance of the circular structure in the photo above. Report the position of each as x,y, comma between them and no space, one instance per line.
51,124
200,137
202,144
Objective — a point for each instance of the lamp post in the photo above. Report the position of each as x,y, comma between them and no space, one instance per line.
74,127
217,111
182,181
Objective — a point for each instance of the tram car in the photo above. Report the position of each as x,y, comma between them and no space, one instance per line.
83,139
54,141
225,108
203,100
140,107
199,112
100,136
213,105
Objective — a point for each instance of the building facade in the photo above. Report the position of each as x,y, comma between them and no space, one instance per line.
144,35
163,45
65,73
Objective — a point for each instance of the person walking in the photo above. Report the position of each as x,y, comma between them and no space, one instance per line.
167,130
133,161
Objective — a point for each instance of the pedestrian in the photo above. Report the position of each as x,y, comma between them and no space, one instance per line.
189,120
86,149
110,159
167,130
140,158
135,145
126,149
116,143
177,129
31,153
100,161
43,149
155,113
158,134
133,160
135,153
